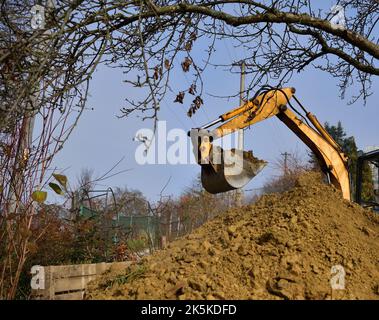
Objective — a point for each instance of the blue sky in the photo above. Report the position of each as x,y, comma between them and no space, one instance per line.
101,139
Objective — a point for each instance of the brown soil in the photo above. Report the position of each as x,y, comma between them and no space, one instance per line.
282,247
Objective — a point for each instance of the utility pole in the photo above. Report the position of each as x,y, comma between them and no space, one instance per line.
240,141
242,65
285,155
242,89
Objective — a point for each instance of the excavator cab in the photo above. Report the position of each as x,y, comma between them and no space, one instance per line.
224,170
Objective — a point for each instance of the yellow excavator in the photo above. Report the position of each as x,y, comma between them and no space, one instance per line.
224,170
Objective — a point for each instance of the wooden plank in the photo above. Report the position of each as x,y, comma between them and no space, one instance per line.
101,267
73,270
49,282
70,296
59,279
119,266
39,295
73,283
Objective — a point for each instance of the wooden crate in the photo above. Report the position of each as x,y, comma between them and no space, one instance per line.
69,282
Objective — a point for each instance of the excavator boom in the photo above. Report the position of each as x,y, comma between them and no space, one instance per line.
224,170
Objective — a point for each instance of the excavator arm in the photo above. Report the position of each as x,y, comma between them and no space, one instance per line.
219,176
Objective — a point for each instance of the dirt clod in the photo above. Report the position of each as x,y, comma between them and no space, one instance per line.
285,246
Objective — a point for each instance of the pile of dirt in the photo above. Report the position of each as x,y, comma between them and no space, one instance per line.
285,246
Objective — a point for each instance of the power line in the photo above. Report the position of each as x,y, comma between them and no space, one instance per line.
175,115
227,49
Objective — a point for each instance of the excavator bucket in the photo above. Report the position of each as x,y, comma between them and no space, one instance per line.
229,170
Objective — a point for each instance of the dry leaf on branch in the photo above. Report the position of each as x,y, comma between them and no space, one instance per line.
167,64
155,75
193,36
188,46
186,64
192,89
196,104
179,98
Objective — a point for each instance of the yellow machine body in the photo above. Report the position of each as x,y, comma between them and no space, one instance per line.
224,170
